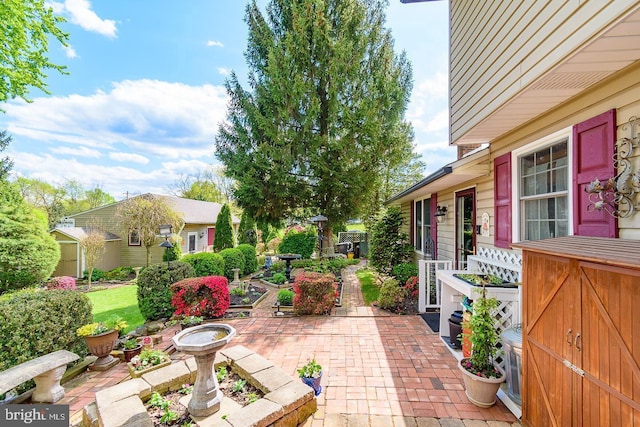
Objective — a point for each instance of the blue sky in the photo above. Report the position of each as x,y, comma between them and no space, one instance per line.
145,93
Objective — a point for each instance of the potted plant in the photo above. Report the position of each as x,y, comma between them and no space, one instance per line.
482,378
311,374
149,359
131,348
101,338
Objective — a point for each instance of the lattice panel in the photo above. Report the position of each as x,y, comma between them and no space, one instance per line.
504,320
350,236
505,274
500,255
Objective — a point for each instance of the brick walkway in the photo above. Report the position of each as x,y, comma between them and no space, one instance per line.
379,369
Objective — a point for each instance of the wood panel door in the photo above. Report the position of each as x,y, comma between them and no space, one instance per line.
551,313
610,346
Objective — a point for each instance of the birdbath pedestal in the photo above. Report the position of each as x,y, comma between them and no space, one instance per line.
287,258
236,276
203,342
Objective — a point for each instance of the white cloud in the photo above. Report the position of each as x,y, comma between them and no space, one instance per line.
80,13
128,157
77,152
152,117
214,43
224,71
70,52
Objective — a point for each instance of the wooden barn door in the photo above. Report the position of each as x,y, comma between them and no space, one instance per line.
611,337
551,309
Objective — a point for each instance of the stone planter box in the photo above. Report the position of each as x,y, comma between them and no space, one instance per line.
138,374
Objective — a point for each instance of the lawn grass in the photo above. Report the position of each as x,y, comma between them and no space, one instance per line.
122,301
370,290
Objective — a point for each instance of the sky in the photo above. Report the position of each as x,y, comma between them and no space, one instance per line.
145,93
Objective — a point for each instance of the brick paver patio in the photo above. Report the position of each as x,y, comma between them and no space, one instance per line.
379,369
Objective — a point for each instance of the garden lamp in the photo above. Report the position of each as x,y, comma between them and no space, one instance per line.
320,221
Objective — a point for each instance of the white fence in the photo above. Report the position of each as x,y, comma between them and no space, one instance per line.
430,288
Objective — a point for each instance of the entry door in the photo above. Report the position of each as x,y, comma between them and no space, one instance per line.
465,226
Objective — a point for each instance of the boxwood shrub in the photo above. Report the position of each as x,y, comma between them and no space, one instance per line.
250,258
392,296
233,258
205,263
154,293
38,322
404,270
285,296
295,242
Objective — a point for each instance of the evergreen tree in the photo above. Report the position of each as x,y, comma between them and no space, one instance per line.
247,231
324,111
28,253
224,230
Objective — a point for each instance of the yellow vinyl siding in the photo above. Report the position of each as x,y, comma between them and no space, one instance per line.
503,46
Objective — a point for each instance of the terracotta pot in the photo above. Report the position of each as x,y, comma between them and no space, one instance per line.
130,353
101,346
480,391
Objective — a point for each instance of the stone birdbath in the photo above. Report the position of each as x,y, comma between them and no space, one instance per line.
203,342
287,258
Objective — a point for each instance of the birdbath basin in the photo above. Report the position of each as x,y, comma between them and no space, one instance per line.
287,258
203,341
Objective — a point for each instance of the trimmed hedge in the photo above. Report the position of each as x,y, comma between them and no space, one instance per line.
315,293
38,322
250,258
392,296
295,242
233,258
285,296
201,296
154,293
205,263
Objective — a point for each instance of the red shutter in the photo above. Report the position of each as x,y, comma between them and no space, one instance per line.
593,147
412,224
502,200
434,224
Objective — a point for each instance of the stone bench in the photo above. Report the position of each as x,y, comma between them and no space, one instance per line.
45,370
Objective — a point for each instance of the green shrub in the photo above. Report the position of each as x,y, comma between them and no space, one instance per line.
233,258
250,258
285,296
392,296
35,323
404,270
174,253
120,273
389,246
205,263
97,275
278,266
154,293
294,242
28,253
278,278
224,232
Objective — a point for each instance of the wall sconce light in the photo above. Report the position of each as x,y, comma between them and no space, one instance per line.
441,214
617,195
201,234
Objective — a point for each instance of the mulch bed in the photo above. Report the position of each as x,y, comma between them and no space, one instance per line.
253,294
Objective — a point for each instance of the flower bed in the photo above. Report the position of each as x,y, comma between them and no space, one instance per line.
246,296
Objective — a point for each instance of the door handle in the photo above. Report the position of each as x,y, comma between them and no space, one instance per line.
569,337
578,341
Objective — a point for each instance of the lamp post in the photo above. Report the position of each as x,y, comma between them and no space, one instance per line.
165,231
320,221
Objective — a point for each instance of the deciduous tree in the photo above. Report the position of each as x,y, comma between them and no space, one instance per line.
92,246
26,27
323,112
145,214
5,163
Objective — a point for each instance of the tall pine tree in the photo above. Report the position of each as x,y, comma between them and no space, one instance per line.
323,112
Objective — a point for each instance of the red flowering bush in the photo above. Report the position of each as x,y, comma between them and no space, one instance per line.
62,282
411,295
206,296
316,293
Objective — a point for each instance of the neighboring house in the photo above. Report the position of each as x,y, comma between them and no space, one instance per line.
71,258
196,235
547,96
548,88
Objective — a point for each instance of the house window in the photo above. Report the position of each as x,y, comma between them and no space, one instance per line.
544,192
134,238
422,223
